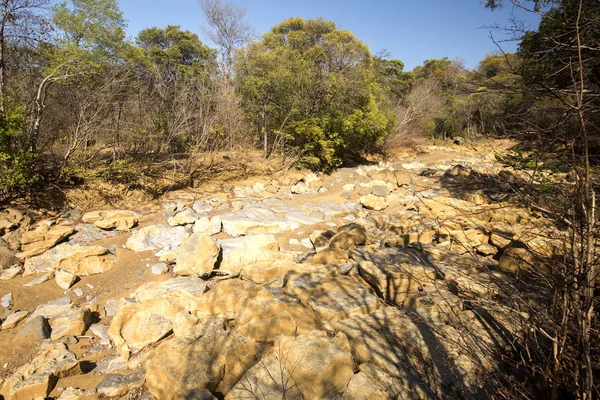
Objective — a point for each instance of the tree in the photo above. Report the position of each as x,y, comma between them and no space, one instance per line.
175,68
21,21
227,30
310,86
560,64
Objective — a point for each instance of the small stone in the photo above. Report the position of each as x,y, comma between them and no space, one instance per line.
64,279
115,384
7,300
102,332
13,319
110,308
373,202
11,273
380,190
348,187
71,323
159,269
78,292
44,278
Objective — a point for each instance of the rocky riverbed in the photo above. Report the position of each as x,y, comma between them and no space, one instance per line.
382,281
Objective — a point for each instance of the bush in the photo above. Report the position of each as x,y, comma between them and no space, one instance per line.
17,164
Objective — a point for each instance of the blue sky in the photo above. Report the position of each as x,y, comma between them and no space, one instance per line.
411,31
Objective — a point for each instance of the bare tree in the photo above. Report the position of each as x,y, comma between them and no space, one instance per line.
226,29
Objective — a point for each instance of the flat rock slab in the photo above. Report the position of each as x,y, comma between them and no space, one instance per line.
120,220
156,237
255,221
77,259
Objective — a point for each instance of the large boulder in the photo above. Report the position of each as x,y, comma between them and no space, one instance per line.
320,365
250,249
120,220
36,242
7,258
38,377
77,259
214,360
196,255
250,221
71,323
156,237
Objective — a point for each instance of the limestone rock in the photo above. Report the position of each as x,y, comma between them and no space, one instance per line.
208,226
38,327
373,202
37,378
254,221
77,259
184,217
239,252
86,233
64,279
348,237
11,273
329,256
113,385
156,237
120,220
13,319
36,242
71,323
216,359
7,301
196,255
320,239
320,366
371,382
516,260
7,258
52,308
340,297
268,379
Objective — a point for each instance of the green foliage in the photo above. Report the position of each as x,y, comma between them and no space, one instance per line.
17,165
314,87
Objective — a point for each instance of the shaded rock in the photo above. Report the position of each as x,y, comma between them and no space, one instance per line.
7,258
515,260
268,379
77,259
196,255
217,359
348,237
120,220
339,297
70,323
156,237
321,366
320,239
371,382
329,256
38,327
380,190
37,378
113,385
13,239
